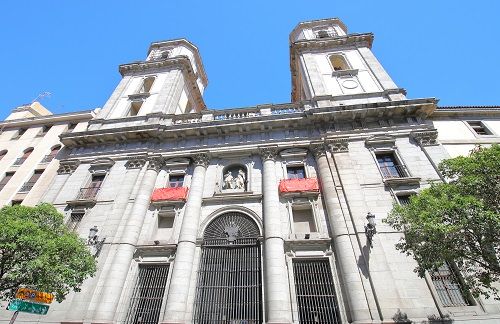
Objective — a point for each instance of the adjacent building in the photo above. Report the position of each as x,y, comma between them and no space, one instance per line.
260,214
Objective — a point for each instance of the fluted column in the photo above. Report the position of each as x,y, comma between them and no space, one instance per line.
277,289
118,271
175,310
66,168
344,252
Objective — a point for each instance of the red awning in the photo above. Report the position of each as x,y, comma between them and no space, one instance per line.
178,193
299,185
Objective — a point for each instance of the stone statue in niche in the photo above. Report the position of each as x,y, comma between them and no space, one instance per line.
234,178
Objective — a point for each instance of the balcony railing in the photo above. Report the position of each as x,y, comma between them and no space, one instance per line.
89,193
47,158
395,171
27,186
19,161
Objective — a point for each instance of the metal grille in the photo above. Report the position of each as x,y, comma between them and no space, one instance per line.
147,296
448,287
229,277
315,291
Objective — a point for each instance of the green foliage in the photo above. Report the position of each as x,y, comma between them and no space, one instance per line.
39,252
458,221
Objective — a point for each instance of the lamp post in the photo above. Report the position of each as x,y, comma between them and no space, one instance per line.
94,242
370,228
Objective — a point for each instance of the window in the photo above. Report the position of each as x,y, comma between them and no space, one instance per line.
338,62
165,226
325,33
71,126
53,152
27,186
90,192
389,166
404,199
23,158
316,297
147,84
19,133
479,128
303,219
175,181
448,286
135,107
6,179
16,202
295,172
147,296
3,154
75,219
44,130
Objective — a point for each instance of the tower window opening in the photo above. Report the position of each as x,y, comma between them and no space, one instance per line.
135,107
147,84
339,63
325,33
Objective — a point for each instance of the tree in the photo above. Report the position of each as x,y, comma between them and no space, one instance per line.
38,251
457,222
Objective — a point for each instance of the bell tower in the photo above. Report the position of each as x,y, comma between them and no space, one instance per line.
333,67
170,80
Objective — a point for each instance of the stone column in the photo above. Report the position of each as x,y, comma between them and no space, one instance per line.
120,266
345,255
66,168
427,140
277,289
175,310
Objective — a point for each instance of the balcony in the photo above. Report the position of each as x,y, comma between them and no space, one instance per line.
170,194
19,161
27,186
303,186
89,193
397,175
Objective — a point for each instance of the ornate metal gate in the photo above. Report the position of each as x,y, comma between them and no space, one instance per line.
229,277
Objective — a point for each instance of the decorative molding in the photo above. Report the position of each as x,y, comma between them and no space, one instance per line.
338,145
425,138
318,150
135,163
155,163
201,159
67,167
268,153
101,165
294,153
380,141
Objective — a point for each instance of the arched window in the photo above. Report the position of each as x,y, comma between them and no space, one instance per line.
234,177
24,157
53,152
338,62
3,153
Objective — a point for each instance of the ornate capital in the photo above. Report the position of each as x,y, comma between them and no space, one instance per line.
338,145
135,163
201,159
155,163
268,153
67,167
318,150
425,138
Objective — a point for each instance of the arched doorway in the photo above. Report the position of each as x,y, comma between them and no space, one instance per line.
229,287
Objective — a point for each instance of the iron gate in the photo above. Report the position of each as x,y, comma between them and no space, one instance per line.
229,277
316,298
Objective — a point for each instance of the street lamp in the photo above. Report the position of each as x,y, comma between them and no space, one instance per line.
94,242
92,239
370,228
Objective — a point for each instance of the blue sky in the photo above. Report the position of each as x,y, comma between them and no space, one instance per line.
443,49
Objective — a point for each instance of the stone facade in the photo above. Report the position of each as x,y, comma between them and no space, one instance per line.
349,132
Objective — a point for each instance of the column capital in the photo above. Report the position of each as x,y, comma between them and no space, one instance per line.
155,163
135,163
318,149
268,153
67,167
201,159
425,138
338,145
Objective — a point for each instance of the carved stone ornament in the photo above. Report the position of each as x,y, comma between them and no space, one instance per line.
136,163
338,145
155,163
67,167
425,138
201,159
268,153
318,150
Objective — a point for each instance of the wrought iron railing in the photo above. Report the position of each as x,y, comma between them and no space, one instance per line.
27,186
47,158
88,193
19,161
394,171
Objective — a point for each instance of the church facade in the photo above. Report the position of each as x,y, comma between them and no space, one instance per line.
266,214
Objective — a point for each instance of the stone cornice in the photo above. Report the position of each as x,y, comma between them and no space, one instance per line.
178,62
440,112
425,138
313,23
365,39
76,116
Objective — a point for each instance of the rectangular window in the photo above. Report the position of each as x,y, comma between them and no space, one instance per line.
147,297
135,107
295,172
303,219
28,185
448,287
390,167
175,181
404,199
6,179
90,192
479,128
75,219
16,202
165,227
316,298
